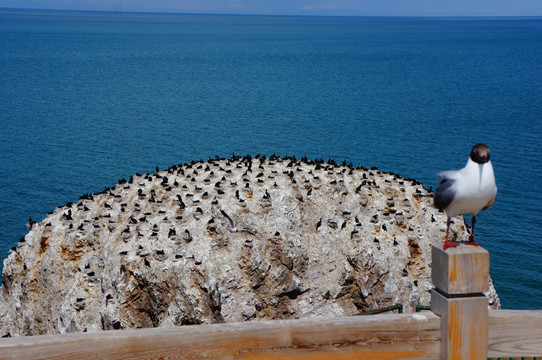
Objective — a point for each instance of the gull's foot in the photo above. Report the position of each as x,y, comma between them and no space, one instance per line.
449,244
471,241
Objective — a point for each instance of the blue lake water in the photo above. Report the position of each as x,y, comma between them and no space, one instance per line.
89,98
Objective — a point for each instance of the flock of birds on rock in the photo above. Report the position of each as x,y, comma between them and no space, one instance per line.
189,187
258,231
141,203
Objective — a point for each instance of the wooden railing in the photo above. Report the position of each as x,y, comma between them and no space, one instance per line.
463,329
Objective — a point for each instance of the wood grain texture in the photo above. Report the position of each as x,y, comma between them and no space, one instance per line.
390,336
460,270
464,326
515,333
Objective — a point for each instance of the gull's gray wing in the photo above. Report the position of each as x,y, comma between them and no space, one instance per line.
445,193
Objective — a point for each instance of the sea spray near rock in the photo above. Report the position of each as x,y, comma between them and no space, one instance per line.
226,240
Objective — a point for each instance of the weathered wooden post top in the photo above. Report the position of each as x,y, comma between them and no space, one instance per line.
461,276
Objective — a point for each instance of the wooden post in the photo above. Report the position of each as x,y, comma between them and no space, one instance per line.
460,276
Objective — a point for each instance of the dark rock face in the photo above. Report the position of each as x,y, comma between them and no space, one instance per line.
226,240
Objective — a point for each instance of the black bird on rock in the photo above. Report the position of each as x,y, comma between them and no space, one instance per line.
30,223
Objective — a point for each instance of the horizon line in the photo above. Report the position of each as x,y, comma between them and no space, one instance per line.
172,12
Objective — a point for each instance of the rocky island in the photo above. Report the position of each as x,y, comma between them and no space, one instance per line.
226,240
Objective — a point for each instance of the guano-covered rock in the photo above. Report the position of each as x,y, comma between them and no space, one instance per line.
226,240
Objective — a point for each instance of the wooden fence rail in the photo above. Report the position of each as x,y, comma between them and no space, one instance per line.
462,330
385,336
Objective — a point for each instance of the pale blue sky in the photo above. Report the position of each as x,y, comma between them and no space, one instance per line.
302,7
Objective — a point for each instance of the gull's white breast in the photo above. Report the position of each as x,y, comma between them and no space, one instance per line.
474,189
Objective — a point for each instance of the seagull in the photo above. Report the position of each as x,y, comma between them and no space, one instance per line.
467,191
233,227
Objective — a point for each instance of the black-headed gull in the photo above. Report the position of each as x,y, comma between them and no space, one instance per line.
232,223
467,191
